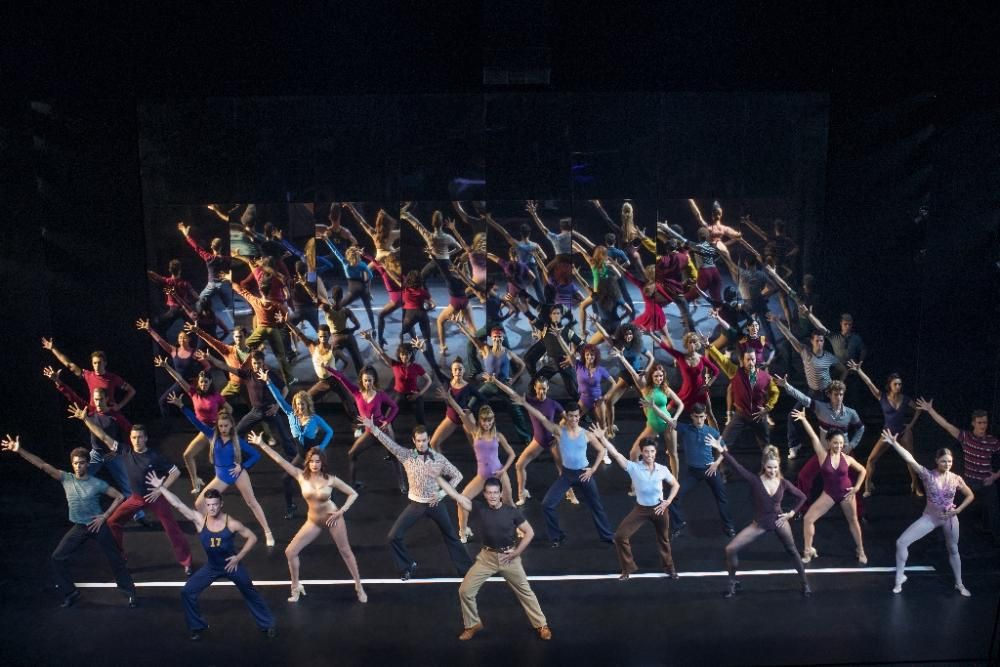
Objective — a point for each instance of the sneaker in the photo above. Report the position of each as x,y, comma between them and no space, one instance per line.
678,529
408,572
358,432
70,599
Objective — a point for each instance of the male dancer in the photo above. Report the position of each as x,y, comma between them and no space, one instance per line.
754,395
216,530
83,494
98,377
702,466
498,524
423,467
576,473
139,460
555,340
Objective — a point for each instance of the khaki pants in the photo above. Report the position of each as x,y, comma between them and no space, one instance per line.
488,564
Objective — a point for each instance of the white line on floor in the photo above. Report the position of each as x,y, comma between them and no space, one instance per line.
554,577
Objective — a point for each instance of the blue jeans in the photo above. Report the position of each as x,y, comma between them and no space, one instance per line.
718,486
220,294
117,469
590,497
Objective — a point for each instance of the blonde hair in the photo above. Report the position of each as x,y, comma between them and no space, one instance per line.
304,395
770,453
486,411
234,439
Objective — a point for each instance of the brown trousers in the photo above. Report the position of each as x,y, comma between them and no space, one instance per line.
630,524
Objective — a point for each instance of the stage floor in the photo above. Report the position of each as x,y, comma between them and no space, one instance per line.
851,618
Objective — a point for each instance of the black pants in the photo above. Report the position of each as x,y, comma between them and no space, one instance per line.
417,405
439,515
568,374
73,540
280,431
357,289
418,317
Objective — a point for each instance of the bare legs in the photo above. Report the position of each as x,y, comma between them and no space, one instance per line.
306,535
906,440
195,447
243,485
442,433
529,454
821,507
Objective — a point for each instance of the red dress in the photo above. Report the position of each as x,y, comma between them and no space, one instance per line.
652,317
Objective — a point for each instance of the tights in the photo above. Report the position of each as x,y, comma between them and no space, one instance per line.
418,317
357,289
751,533
921,527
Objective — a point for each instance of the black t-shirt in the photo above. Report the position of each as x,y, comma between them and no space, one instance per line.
496,527
137,466
257,391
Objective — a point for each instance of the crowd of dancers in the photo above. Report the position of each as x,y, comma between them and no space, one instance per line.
574,294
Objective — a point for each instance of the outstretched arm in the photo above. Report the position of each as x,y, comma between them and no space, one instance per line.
612,450
255,438
81,414
383,437
800,416
530,409
49,345
164,363
10,444
446,486
928,407
856,367
160,484
786,332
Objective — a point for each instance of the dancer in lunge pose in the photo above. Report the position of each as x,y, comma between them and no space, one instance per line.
371,404
767,490
939,512
463,393
317,484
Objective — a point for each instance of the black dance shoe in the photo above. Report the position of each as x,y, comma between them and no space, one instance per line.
70,599
408,572
734,588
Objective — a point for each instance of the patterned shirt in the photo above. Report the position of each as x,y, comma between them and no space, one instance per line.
940,490
978,453
422,470
817,369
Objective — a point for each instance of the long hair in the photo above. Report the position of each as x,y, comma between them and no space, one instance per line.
234,439
770,452
596,352
619,337
384,225
486,411
413,280
323,470
370,371
649,375
307,399
888,381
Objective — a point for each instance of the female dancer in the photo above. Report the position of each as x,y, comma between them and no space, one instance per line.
652,318
717,231
589,375
628,339
359,280
337,316
207,403
541,439
182,356
416,302
605,295
317,484
524,268
656,396
462,393
486,442
939,512
385,233
232,458
767,490
458,302
698,372
371,403
308,428
834,466
391,274
894,406
410,381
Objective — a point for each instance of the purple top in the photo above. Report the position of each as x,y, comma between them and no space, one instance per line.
589,381
487,457
552,411
766,507
940,494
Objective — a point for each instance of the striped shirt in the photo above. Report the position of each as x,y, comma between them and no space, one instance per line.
708,254
978,453
817,369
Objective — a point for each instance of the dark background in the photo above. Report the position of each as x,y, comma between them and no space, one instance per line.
327,102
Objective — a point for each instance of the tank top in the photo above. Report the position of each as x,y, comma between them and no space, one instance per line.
336,320
187,367
497,364
321,361
573,450
895,418
218,545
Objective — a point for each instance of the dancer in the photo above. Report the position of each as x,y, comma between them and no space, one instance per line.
717,231
308,428
589,376
371,404
83,496
269,316
236,356
457,310
702,466
652,318
207,404
486,442
655,402
359,279
317,484
895,406
463,394
555,340
175,291
337,316
96,376
321,353
410,381
440,244
500,524
523,268
384,234
232,458
182,357
263,407
834,464
939,512
674,274
576,473
541,438
139,460
416,302
423,468
628,339
979,450
697,370
216,531
648,478
215,293
391,275
767,491
754,393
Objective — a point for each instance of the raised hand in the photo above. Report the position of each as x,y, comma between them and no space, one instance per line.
366,334
256,438
889,437
154,481
51,373
418,344
173,398
47,343
263,374
853,365
780,380
598,430
9,444
280,317
76,412
183,229
367,422
798,415
714,443
161,361
142,325
190,328
924,404
531,206
200,355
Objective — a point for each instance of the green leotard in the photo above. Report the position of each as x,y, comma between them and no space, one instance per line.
653,420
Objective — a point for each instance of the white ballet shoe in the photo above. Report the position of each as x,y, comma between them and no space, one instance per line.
965,593
898,588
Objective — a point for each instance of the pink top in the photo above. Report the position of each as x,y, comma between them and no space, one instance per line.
206,406
692,377
414,297
372,409
940,490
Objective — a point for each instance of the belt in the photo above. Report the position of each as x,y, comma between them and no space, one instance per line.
500,550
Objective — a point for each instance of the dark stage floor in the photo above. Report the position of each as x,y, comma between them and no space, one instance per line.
851,618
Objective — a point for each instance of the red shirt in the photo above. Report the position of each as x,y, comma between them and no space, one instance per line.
406,377
414,297
174,287
978,454
109,382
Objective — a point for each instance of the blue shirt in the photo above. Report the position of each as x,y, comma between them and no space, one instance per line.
83,497
526,251
648,485
618,255
223,453
300,431
359,271
692,440
573,450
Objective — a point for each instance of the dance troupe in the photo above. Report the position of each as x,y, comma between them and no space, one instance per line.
573,294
